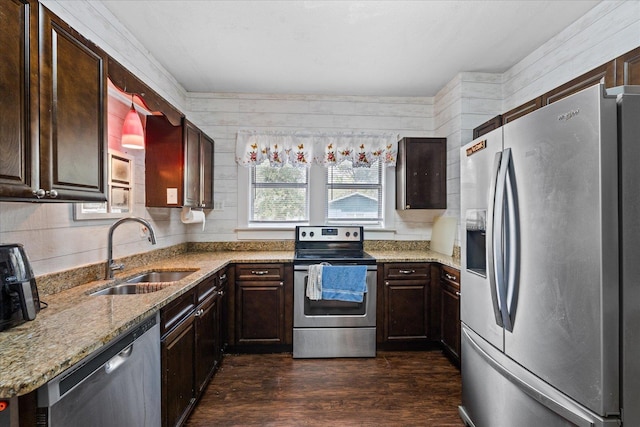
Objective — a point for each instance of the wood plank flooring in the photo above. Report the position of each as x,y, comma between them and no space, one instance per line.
394,389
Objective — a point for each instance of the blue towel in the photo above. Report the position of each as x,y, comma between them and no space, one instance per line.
344,283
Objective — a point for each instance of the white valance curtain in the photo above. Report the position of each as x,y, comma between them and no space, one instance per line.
301,149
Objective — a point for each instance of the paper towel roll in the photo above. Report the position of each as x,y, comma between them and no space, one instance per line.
189,216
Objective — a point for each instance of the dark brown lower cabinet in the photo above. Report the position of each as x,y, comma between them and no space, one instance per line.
263,307
404,306
450,312
190,348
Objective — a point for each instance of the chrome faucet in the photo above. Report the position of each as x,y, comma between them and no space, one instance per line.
110,267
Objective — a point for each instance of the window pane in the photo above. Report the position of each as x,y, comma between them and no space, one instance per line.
346,174
279,204
287,174
278,194
354,194
353,203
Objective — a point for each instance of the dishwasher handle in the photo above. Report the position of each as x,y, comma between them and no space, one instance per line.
118,360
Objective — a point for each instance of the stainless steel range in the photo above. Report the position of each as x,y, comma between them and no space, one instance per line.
328,327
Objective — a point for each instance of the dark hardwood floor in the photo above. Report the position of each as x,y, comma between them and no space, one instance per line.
393,389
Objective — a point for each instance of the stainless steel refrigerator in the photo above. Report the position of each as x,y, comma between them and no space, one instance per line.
550,280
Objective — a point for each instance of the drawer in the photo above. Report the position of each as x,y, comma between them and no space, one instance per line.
206,288
253,272
177,310
410,271
450,275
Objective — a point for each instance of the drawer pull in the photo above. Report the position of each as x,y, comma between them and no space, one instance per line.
200,312
407,271
450,277
259,272
457,293
223,278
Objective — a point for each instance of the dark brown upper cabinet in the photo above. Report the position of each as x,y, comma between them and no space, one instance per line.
487,126
179,165
605,71
628,68
56,138
421,174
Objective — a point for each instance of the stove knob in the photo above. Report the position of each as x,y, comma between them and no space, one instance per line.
311,234
348,234
355,234
304,233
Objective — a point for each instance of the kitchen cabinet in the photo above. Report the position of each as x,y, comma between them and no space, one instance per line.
487,126
522,110
190,348
207,333
179,165
404,306
263,306
450,312
605,71
54,102
223,291
421,174
628,68
177,349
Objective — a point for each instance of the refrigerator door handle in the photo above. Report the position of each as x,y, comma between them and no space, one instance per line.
498,237
511,242
493,247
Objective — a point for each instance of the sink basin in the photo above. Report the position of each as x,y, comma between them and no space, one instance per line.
128,289
159,276
144,283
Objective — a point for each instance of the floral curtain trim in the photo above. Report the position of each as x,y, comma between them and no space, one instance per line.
301,149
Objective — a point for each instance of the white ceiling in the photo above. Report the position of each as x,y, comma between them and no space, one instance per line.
386,48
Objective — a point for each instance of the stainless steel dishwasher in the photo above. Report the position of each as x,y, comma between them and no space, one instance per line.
118,385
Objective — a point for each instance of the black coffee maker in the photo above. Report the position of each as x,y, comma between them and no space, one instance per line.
19,299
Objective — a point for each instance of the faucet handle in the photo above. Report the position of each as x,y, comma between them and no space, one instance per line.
115,266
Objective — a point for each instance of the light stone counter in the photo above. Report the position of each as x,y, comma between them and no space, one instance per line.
76,324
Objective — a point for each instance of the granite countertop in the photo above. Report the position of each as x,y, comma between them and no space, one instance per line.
75,324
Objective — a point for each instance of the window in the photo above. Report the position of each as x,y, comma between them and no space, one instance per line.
354,194
279,194
317,195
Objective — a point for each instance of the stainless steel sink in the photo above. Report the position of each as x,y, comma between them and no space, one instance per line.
159,276
144,283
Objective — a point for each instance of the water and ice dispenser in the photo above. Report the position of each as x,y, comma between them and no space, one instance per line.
476,229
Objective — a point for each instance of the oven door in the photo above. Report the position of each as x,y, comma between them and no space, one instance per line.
329,313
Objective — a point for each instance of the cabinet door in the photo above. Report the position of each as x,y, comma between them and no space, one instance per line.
423,173
406,310
18,99
450,311
605,71
178,387
206,178
450,321
223,290
628,68
192,137
207,336
260,312
73,106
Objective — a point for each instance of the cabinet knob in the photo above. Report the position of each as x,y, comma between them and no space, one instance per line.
458,293
52,194
39,193
200,312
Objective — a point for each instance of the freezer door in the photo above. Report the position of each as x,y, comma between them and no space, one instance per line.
496,392
565,327
478,173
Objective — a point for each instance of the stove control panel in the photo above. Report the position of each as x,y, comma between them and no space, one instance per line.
329,234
